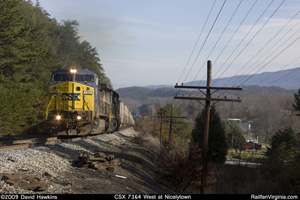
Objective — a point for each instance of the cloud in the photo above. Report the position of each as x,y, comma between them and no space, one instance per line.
149,42
136,72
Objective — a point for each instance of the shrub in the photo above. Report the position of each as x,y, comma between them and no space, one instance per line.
284,159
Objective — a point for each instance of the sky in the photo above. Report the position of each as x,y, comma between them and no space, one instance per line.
150,42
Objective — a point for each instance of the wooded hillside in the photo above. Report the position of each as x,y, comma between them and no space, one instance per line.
268,108
32,45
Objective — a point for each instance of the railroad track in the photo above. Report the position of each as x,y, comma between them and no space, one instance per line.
17,143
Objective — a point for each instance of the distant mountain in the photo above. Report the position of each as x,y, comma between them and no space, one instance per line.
142,93
287,79
141,99
158,86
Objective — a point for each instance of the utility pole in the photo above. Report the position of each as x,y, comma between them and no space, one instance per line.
161,126
208,98
163,119
206,127
171,123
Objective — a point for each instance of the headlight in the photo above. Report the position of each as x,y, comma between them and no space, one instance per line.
58,117
78,117
73,71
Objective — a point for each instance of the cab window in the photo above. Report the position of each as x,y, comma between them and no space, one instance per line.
62,77
84,78
68,77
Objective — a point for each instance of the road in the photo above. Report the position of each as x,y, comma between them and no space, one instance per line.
234,161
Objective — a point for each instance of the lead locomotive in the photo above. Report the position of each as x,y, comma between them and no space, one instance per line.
80,105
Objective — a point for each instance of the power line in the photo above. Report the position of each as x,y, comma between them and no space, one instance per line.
204,43
283,76
255,35
218,39
279,71
208,100
205,40
271,59
197,41
247,14
264,58
263,48
195,46
233,35
270,84
274,74
243,40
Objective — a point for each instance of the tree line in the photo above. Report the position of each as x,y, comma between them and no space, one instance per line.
267,109
283,151
32,45
181,156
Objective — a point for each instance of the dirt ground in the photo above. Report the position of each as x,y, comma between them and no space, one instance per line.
136,172
116,163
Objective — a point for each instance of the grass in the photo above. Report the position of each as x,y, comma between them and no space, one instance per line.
257,157
238,179
234,179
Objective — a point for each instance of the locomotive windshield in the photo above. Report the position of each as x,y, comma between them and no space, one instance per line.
61,77
84,78
68,77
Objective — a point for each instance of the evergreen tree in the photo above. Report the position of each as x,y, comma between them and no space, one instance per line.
239,141
296,103
284,148
32,45
235,136
16,49
217,146
284,159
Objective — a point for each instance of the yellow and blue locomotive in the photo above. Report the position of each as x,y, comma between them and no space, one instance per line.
80,105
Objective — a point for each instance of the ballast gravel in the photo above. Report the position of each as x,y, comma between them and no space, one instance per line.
51,162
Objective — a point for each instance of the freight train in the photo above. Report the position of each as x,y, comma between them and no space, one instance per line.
80,105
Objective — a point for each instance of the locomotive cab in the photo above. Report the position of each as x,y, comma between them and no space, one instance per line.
71,109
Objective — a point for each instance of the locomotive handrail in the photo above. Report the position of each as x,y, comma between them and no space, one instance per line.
47,110
86,103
